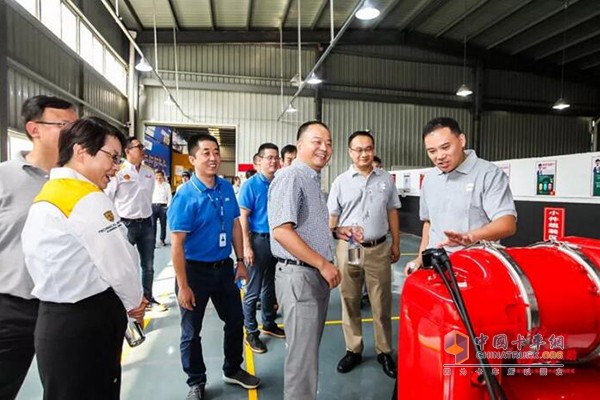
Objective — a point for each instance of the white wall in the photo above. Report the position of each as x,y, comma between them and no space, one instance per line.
573,180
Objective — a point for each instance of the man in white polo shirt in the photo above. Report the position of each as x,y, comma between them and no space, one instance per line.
131,190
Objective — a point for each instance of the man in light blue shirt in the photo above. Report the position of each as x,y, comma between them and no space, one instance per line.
253,199
203,219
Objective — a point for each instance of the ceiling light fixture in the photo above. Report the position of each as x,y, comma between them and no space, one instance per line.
313,80
561,103
464,90
296,80
367,12
143,66
291,109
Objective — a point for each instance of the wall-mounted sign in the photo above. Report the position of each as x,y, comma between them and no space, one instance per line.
545,177
554,223
596,175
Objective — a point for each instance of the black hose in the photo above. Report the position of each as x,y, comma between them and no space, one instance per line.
441,264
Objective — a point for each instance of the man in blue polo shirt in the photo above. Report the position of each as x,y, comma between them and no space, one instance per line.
203,219
261,263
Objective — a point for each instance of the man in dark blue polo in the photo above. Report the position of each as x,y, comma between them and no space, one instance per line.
203,219
261,263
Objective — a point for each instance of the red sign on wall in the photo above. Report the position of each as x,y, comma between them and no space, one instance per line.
245,167
554,223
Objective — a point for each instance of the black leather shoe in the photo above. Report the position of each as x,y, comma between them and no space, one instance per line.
348,362
389,366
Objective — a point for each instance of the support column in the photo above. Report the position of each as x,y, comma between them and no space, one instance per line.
478,107
3,83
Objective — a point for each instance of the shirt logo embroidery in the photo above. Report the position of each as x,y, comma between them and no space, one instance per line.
126,177
469,187
109,216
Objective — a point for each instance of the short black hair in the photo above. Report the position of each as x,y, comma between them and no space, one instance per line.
265,146
160,171
186,174
197,138
360,133
130,140
306,125
377,160
90,133
288,148
442,122
33,108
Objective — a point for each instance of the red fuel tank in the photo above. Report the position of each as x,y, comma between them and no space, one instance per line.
535,310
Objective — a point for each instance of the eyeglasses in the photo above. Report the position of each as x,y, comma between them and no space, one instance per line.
137,146
116,158
366,150
61,124
271,158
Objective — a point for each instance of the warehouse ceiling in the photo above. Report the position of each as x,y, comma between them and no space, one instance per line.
520,34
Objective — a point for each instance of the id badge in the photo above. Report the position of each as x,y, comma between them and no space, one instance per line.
222,239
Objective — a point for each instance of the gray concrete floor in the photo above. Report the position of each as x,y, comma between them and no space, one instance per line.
153,371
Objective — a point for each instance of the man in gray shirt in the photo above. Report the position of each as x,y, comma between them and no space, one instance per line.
365,196
20,181
303,245
464,199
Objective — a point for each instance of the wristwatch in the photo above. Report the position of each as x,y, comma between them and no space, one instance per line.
240,259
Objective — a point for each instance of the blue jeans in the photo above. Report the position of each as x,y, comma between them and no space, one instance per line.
261,284
214,281
140,233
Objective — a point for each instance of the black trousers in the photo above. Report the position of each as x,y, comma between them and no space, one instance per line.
79,346
159,214
17,323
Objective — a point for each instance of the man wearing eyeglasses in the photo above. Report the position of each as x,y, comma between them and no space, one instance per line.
20,181
365,196
253,199
131,190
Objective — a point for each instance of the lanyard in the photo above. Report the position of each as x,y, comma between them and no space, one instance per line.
217,204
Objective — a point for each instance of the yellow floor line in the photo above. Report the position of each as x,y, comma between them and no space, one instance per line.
249,357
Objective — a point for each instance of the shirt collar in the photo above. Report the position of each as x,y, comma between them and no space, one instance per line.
21,158
200,185
353,171
68,173
302,166
262,178
466,166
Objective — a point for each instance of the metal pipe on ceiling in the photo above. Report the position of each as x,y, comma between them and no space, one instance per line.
120,24
325,53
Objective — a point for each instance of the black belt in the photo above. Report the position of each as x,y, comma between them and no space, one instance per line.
286,261
373,243
213,264
262,235
135,219
160,204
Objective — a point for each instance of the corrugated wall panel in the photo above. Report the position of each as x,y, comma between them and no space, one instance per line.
394,74
255,115
242,60
106,98
30,45
500,84
20,88
510,135
396,127
398,52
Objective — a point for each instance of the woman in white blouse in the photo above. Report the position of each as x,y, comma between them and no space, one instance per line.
84,270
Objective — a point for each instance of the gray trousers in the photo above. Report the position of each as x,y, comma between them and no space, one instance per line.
303,295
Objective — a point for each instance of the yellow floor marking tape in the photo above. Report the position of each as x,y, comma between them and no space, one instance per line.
249,357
